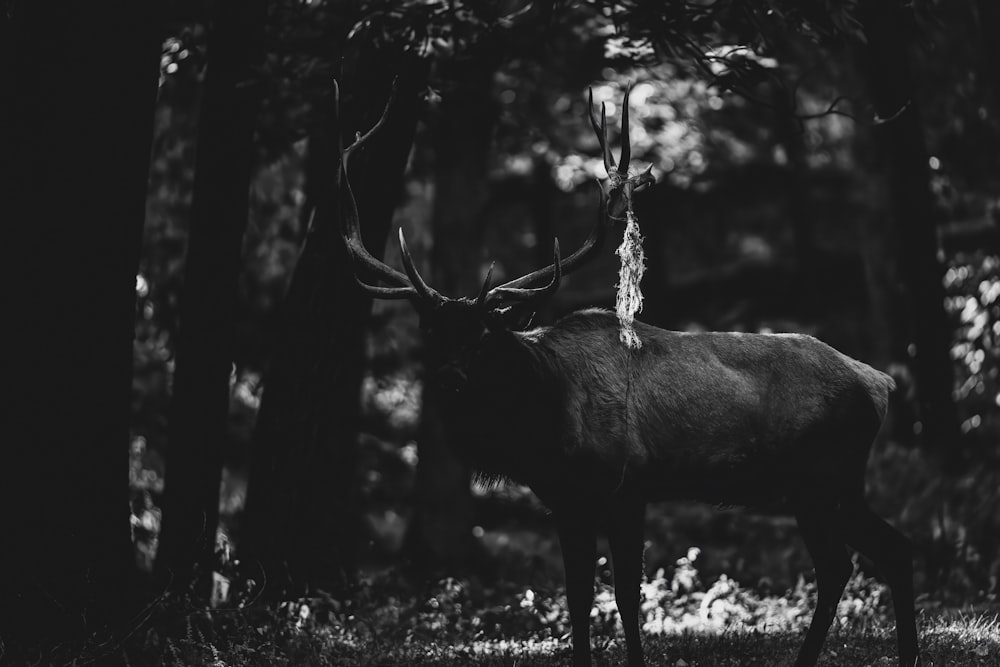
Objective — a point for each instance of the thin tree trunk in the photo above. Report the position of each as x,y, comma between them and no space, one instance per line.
657,308
440,534
78,86
900,141
788,132
988,15
302,520
199,418
888,315
542,192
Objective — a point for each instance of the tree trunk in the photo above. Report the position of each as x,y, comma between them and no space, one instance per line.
199,417
78,85
440,535
542,192
657,307
900,142
788,133
988,15
302,519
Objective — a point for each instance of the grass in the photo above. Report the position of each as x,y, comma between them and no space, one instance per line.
389,622
953,641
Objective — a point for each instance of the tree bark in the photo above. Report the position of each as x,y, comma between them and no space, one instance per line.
657,307
440,534
902,148
988,15
78,85
199,419
788,134
302,520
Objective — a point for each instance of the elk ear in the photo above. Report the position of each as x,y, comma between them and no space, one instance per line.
517,317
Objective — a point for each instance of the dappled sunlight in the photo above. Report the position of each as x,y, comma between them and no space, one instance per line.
665,117
511,648
975,287
396,399
145,485
456,621
974,636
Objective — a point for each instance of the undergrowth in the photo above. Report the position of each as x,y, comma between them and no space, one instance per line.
389,621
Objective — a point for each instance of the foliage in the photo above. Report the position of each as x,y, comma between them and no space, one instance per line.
391,622
954,519
973,283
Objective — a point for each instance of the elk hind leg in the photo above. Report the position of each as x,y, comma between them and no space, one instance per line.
627,540
821,532
892,554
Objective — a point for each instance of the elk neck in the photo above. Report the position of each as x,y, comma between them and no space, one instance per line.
503,419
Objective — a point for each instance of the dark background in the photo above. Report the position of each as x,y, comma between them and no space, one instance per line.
828,168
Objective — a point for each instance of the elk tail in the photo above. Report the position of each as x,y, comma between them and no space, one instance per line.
879,385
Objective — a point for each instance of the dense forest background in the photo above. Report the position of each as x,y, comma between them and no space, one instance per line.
821,167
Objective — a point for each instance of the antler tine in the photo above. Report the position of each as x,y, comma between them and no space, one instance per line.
590,247
341,172
601,130
593,118
626,154
361,139
530,294
609,159
361,257
483,291
423,289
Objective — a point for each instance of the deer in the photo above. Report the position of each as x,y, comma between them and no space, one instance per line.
598,430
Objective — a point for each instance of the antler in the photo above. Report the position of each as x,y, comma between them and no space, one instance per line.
618,200
403,285
403,288
590,247
360,139
601,130
411,286
508,292
622,185
423,289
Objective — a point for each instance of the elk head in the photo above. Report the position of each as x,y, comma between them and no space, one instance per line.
453,328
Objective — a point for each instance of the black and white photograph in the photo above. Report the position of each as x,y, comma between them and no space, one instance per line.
652,333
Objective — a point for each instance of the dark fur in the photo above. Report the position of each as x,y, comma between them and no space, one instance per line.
596,429
569,410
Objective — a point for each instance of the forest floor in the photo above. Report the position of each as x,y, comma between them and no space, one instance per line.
744,597
686,622
946,640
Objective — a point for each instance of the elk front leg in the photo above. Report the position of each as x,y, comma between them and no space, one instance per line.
626,535
578,541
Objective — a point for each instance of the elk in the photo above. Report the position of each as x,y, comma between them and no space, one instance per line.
598,430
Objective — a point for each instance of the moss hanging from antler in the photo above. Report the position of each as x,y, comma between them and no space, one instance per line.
633,260
633,263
